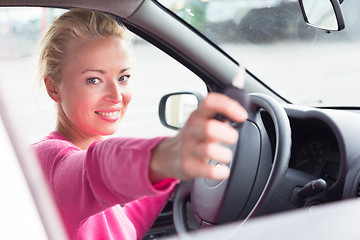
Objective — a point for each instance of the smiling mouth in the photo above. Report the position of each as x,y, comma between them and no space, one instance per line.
109,114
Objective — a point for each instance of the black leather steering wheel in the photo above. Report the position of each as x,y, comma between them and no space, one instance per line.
257,173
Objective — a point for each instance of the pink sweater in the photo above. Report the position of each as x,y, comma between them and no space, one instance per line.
91,186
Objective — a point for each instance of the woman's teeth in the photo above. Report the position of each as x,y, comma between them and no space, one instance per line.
108,114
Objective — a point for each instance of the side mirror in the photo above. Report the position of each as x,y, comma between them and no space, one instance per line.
175,108
323,14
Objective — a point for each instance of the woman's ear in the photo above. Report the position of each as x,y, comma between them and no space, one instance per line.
52,89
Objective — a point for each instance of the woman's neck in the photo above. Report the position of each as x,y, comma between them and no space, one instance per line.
79,139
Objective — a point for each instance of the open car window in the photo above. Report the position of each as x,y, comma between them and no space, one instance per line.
155,75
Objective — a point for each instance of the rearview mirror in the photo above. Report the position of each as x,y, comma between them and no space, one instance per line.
323,14
175,108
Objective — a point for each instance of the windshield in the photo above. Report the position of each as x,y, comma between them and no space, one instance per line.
304,65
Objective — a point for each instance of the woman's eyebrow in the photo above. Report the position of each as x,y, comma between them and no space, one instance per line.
94,70
124,70
103,71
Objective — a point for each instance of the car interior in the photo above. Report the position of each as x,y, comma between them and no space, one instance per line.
294,154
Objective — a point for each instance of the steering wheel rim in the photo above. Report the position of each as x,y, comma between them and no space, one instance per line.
270,187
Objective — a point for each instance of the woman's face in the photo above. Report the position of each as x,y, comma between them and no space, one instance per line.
94,88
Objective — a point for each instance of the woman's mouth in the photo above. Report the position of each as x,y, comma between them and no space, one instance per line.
109,116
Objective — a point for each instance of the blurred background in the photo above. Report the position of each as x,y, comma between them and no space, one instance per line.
269,36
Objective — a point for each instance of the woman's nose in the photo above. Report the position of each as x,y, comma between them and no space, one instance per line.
113,92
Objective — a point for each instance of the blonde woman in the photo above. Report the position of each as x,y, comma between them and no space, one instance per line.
115,188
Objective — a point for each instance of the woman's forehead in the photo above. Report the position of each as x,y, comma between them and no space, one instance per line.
92,52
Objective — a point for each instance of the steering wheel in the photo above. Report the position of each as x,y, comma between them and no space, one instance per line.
256,174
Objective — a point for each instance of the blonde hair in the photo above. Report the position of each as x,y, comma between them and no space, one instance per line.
76,24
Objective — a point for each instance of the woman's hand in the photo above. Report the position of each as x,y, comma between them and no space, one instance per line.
186,155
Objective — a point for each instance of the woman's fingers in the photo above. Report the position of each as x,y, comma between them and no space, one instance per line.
218,172
198,168
214,130
216,103
186,155
213,151
204,137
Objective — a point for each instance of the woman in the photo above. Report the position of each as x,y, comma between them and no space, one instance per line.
115,188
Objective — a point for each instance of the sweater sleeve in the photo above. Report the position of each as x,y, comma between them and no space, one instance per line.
147,208
113,171
118,169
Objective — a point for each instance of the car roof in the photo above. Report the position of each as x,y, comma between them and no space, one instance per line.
121,8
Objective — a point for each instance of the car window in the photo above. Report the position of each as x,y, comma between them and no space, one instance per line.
155,75
304,65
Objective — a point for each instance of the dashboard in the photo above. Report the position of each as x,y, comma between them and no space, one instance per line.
315,149
324,146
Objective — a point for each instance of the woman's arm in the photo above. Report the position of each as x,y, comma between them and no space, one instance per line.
113,171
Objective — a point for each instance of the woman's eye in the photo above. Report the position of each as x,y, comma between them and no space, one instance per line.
93,80
124,78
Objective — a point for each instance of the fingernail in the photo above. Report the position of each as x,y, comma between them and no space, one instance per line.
222,171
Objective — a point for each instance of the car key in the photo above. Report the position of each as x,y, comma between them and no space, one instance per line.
236,92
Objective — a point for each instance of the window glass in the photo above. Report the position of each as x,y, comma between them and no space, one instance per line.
305,65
